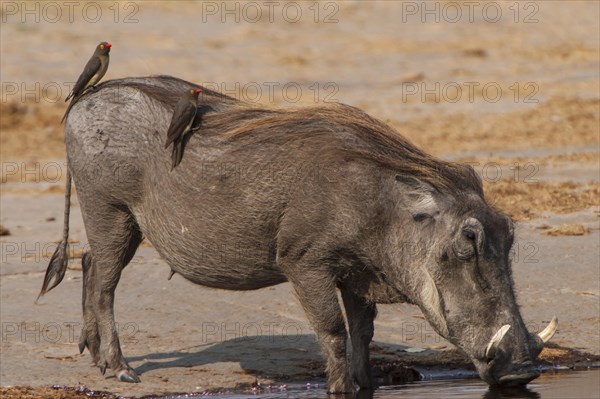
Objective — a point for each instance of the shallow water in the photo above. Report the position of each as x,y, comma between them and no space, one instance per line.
551,385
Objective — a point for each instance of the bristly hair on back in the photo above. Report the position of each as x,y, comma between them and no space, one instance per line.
375,141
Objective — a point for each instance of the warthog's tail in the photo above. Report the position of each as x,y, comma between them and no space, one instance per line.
58,263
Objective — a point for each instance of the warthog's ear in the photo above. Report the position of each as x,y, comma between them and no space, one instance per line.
419,197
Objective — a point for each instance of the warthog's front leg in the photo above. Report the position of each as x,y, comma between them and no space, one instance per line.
318,296
113,237
360,315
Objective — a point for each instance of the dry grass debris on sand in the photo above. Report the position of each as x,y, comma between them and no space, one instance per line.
568,230
525,201
4,231
560,122
25,392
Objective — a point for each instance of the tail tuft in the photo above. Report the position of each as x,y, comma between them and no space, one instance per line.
56,268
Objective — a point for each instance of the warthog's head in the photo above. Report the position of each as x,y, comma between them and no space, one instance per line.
451,258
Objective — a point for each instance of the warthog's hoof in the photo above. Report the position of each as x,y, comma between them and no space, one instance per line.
342,387
128,376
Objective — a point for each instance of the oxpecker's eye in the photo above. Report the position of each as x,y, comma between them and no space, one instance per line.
102,46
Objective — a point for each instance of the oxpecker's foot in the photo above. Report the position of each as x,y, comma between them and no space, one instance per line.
128,375
92,88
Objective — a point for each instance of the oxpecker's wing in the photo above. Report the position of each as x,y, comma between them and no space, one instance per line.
183,116
92,66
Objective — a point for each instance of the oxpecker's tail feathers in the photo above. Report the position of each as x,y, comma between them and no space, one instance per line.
73,101
177,153
60,259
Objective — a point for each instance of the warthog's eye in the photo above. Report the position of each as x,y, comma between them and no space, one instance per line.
419,217
469,240
470,234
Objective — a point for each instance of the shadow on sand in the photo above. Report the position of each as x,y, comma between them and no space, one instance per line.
286,358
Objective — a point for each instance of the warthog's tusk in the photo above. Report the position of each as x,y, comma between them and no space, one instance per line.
548,332
490,351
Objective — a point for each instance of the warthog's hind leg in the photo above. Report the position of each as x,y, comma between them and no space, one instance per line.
360,315
114,237
89,333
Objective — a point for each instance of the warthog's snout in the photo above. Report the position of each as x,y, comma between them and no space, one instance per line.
521,375
498,369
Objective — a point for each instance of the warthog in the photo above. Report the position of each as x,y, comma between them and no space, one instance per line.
340,201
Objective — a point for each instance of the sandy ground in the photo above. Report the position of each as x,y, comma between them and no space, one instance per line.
517,97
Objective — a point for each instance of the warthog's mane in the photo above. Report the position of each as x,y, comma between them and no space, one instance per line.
375,141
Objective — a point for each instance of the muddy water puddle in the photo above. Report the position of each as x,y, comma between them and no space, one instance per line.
551,385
